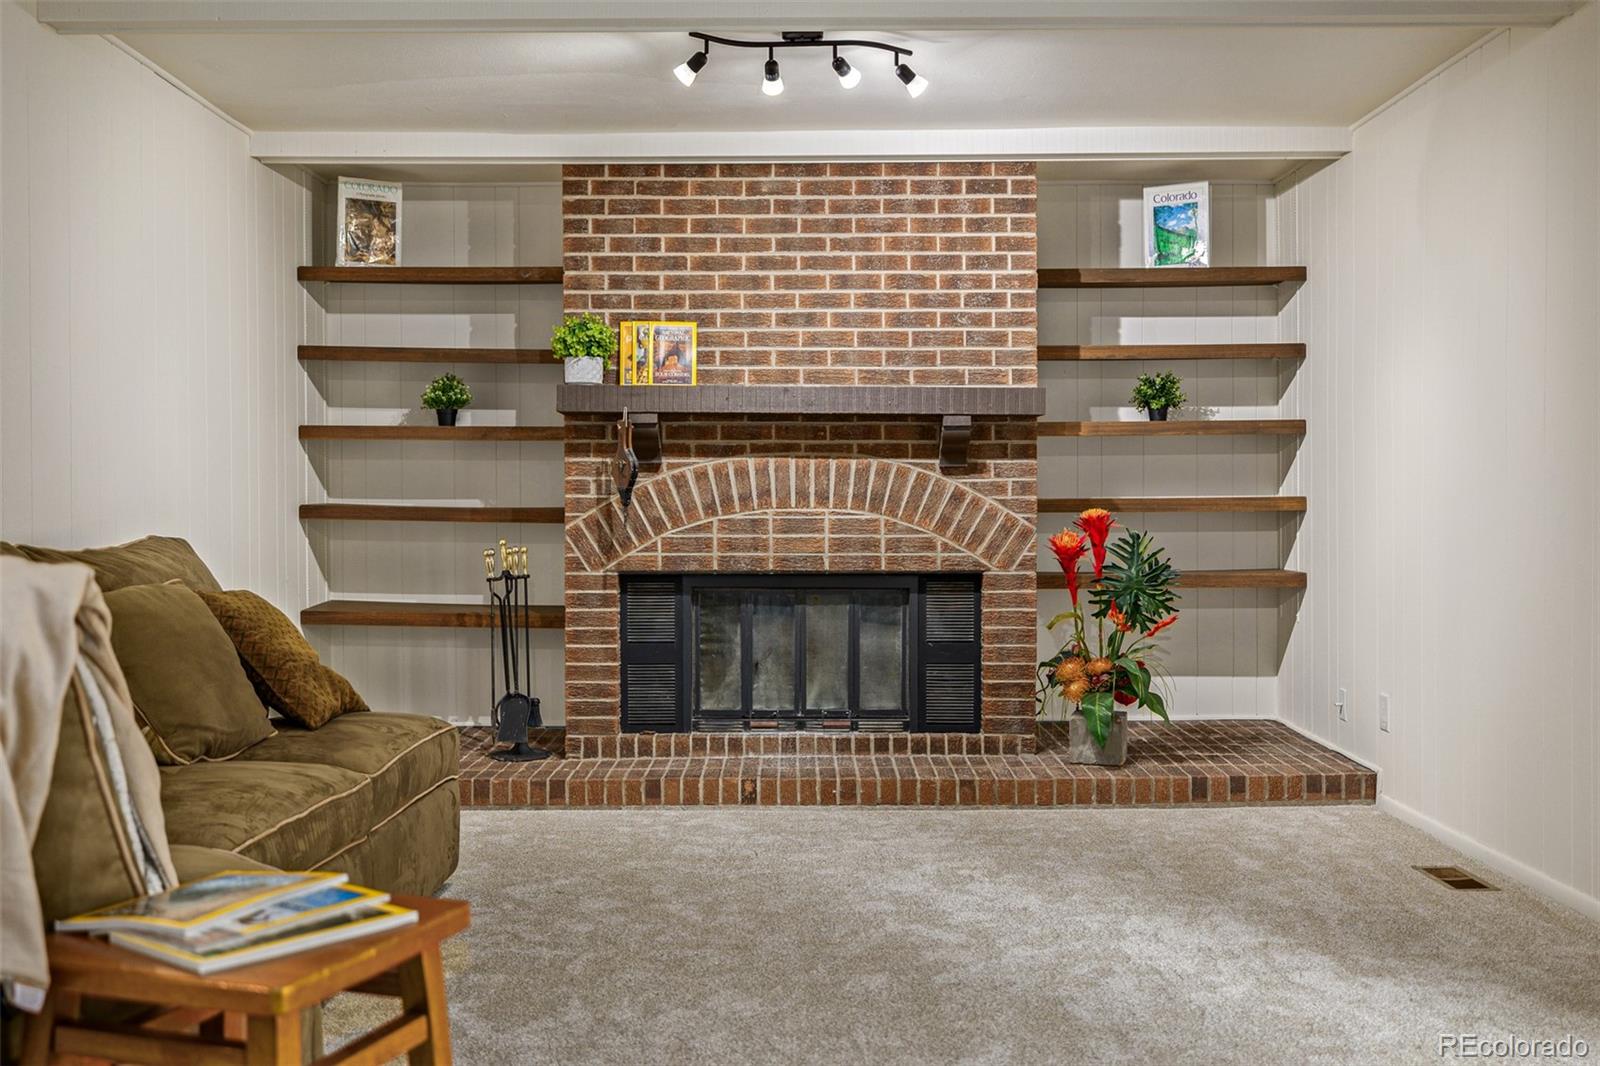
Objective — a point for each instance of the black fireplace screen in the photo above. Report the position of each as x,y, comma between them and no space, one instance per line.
781,651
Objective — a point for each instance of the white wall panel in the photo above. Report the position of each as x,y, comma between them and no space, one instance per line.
440,671
1225,653
1451,464
150,318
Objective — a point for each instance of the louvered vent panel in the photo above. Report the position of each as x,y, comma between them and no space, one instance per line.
949,696
652,695
951,608
652,608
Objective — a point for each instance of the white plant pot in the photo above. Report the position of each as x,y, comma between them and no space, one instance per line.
585,370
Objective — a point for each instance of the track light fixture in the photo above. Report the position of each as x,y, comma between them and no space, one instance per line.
772,80
686,70
849,77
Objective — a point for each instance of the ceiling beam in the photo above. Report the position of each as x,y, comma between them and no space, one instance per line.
900,16
1082,143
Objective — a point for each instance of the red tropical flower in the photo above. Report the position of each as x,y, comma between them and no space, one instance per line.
1118,619
1096,522
1069,548
1159,626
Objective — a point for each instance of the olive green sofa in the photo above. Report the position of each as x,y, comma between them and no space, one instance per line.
370,794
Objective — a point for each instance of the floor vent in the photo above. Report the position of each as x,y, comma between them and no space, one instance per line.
1454,877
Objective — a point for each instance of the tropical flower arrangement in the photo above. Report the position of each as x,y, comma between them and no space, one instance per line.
1130,591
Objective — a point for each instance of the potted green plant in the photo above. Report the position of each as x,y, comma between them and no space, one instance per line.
1114,665
446,395
586,346
1158,393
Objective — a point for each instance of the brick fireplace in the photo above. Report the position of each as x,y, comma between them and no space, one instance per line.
906,289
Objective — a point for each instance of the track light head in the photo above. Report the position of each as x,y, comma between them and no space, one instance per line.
686,70
849,77
771,82
915,83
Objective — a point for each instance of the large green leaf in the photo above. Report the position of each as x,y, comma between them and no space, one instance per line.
1138,579
1098,709
1152,700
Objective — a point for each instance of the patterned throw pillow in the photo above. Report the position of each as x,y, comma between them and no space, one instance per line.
285,669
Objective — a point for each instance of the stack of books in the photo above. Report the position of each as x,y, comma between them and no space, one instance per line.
237,917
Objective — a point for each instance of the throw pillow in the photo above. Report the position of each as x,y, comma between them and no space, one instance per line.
285,669
192,696
147,561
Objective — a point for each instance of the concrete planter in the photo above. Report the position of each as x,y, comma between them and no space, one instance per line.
584,370
1081,747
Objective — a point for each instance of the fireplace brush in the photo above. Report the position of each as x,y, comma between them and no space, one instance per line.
514,710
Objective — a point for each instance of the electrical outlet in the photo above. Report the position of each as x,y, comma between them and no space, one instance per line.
1338,702
1383,711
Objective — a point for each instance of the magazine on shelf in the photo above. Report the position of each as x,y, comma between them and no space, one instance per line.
369,223
1177,225
225,954
192,908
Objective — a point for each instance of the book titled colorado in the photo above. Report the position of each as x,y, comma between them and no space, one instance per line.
1177,225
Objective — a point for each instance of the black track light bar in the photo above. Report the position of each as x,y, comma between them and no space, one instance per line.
801,39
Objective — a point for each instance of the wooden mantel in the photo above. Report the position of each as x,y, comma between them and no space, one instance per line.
1013,401
954,405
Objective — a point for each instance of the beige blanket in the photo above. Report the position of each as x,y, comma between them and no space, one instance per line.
55,644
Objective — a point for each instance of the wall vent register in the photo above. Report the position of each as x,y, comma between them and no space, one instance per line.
830,652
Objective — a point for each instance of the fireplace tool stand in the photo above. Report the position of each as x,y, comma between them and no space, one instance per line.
514,711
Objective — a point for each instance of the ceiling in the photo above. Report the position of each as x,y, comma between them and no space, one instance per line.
560,82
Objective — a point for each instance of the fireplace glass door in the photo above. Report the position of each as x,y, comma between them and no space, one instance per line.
829,655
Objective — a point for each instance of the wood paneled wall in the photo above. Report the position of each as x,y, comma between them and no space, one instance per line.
1453,451
150,318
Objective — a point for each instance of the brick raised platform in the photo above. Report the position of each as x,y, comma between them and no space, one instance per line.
1209,762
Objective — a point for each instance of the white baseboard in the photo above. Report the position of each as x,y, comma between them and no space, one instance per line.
1541,883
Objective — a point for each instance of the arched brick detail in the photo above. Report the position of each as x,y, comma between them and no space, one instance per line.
909,500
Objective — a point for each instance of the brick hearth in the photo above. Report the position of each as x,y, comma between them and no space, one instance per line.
1182,763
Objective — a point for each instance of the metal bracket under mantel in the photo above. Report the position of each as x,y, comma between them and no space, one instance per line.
955,434
646,438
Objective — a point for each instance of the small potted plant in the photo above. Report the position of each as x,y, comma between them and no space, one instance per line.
1113,666
446,395
586,346
1158,393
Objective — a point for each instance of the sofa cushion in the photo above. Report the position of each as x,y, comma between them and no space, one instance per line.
281,663
293,816
148,561
191,694
405,755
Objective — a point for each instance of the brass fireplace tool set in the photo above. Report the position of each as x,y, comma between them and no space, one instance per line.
514,711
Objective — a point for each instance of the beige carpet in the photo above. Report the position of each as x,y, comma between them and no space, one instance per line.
799,935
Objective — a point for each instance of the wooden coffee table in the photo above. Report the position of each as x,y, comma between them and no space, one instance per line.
250,1015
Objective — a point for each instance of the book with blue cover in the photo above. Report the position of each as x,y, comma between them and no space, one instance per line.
1177,225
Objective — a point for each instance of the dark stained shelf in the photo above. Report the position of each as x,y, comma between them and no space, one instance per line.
1074,353
1166,277
1221,427
381,512
355,353
1209,579
1173,504
434,433
418,615
433,275
1003,400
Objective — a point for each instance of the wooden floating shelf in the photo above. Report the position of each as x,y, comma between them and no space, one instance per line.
433,275
1209,579
1174,504
1075,353
419,615
385,512
351,353
1026,401
1166,277
1222,427
433,433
